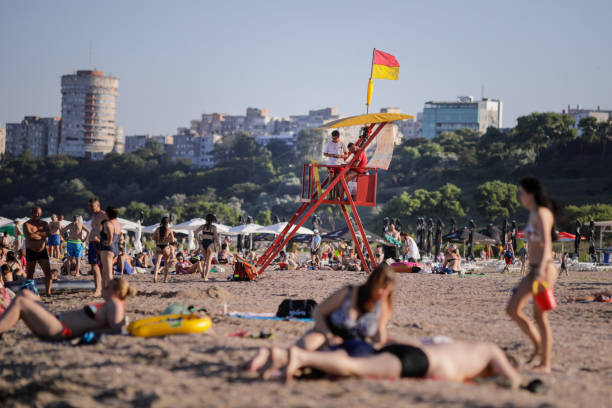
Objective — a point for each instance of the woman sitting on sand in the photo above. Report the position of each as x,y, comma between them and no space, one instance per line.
448,361
540,234
164,238
104,318
353,319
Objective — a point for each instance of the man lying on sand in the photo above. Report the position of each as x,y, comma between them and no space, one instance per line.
450,361
595,297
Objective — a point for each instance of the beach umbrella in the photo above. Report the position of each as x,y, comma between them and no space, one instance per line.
192,224
344,234
279,227
223,229
492,232
462,235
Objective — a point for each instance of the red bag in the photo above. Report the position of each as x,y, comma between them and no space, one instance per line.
545,299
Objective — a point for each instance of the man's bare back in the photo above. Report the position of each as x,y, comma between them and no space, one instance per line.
54,227
96,225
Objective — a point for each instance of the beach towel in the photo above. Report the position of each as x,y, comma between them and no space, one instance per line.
266,316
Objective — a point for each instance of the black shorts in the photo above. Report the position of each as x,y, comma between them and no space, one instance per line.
414,361
33,256
315,251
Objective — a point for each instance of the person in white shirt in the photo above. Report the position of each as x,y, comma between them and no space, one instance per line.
337,152
409,248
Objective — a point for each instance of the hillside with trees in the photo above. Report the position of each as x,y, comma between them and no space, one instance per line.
458,174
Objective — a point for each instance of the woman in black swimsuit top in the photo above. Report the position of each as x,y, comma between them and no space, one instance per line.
164,238
208,240
353,319
110,237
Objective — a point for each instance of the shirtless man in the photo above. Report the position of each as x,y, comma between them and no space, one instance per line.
54,237
36,233
455,361
93,256
75,231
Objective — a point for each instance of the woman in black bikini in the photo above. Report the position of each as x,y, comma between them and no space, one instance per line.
104,318
209,240
163,237
110,237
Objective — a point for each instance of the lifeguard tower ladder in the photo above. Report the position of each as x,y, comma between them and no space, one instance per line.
315,194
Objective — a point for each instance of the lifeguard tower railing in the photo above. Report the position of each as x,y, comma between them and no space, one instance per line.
315,177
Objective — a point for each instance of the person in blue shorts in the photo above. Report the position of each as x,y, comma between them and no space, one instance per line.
77,233
54,240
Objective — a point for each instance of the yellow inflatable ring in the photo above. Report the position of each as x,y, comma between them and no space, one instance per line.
169,324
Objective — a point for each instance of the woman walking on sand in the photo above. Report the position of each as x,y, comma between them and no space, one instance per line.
209,240
540,234
164,238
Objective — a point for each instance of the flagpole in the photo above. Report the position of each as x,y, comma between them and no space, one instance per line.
370,82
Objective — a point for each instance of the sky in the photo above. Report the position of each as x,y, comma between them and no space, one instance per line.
176,60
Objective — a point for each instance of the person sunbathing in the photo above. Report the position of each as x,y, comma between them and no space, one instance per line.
605,296
449,361
104,318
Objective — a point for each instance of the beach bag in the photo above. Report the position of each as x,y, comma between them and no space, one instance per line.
244,271
300,308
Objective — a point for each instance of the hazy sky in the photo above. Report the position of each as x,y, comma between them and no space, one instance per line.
178,59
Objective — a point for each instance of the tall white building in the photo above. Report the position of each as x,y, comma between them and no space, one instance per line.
39,136
89,107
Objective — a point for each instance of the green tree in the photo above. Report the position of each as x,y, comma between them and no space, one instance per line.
309,144
496,199
264,217
541,130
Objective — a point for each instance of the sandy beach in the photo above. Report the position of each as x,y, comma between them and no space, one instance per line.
202,369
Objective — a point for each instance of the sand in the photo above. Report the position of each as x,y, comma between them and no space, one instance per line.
202,369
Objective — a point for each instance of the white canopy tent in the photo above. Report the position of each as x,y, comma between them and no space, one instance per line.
246,229
604,226
5,221
195,223
279,227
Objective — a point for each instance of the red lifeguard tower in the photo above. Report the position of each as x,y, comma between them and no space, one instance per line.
315,193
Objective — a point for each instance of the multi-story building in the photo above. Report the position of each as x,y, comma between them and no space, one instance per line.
579,113
2,140
89,106
411,128
136,142
463,113
39,136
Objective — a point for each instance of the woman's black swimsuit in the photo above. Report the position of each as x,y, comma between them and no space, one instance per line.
207,242
414,361
114,242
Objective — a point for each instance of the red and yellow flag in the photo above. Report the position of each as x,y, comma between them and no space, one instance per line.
384,66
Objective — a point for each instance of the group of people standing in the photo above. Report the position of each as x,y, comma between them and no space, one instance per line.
349,337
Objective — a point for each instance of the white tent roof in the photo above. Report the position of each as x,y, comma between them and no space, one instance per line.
64,222
246,229
192,224
278,228
5,221
150,229
603,223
